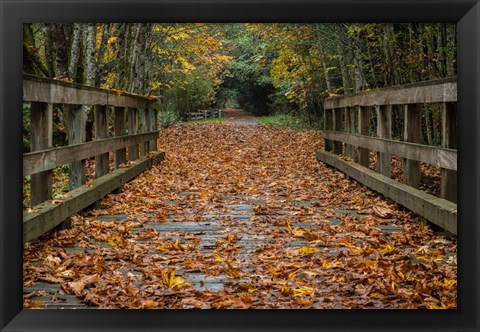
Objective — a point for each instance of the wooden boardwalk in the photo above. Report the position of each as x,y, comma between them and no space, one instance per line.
213,238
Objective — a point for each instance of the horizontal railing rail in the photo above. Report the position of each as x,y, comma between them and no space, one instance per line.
134,137
348,132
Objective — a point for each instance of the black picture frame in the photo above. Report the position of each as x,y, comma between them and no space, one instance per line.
466,13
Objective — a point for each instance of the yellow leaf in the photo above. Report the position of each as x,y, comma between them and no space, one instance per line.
307,250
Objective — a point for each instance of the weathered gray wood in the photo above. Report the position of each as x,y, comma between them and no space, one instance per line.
143,125
364,129
349,128
449,140
328,125
132,125
40,89
384,130
120,155
440,157
146,145
412,133
436,91
337,125
153,127
51,215
35,162
437,210
40,139
101,132
76,135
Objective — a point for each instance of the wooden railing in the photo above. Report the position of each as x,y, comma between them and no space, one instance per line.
347,129
205,114
135,135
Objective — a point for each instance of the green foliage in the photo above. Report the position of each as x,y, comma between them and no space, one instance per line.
284,120
250,70
168,116
228,98
193,92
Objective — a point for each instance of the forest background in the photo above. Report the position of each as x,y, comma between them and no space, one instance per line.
263,68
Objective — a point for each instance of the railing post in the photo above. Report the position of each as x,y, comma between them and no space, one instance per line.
412,133
364,129
101,131
153,127
132,124
328,125
384,130
120,155
337,126
349,128
41,139
449,140
148,126
76,135
143,129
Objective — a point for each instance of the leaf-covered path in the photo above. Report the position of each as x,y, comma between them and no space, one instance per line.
241,215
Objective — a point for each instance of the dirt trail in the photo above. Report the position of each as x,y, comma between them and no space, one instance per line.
242,217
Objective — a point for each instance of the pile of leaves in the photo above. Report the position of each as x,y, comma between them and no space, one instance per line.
312,238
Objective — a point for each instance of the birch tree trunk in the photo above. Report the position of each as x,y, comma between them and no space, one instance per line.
90,67
74,52
90,71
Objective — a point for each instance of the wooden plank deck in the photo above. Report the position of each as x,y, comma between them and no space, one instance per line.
213,227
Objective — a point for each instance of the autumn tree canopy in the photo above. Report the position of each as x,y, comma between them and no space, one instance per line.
263,68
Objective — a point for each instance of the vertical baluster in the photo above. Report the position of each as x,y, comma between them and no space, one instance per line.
101,132
119,127
364,129
412,133
143,129
328,125
132,129
148,111
384,130
41,139
449,140
337,126
153,127
349,128
76,135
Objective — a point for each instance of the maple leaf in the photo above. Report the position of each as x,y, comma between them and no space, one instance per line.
172,281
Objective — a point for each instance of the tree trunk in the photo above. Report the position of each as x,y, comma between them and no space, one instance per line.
32,63
74,52
342,59
90,67
451,55
358,65
90,70
120,37
322,55
49,53
61,51
105,30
